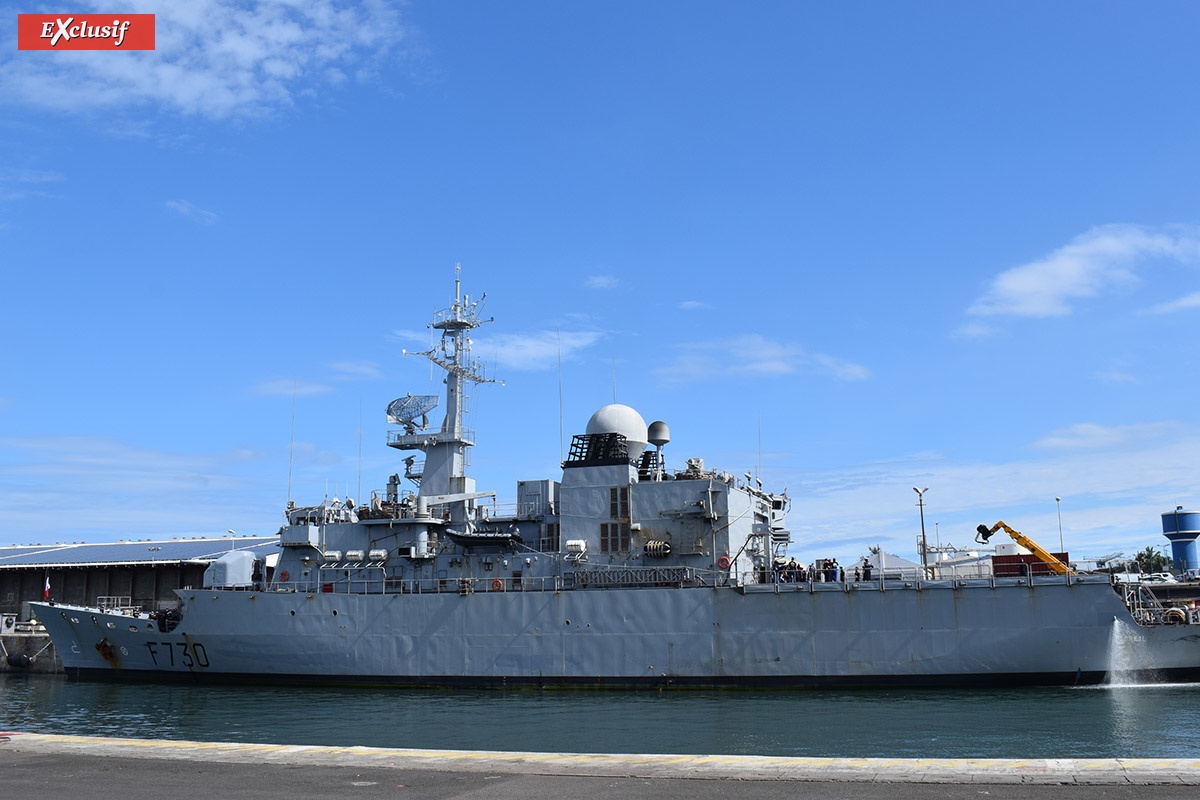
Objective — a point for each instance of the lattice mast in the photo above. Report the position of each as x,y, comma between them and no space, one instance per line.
446,449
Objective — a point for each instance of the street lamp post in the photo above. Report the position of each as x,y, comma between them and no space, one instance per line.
1058,502
924,543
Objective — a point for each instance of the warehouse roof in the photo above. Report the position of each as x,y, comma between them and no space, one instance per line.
144,553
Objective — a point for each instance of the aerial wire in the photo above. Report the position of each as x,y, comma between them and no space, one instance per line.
358,494
558,333
292,443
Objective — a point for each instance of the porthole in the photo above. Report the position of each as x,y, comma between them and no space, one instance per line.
292,612
335,612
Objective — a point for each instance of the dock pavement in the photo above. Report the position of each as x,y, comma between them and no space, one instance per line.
58,766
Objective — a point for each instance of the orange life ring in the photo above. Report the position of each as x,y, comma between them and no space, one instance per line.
283,576
497,585
723,562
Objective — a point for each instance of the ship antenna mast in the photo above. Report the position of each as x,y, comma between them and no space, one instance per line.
445,449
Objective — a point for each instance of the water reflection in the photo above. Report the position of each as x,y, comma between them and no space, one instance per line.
1158,719
1128,721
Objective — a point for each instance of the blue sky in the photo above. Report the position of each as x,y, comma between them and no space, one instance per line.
869,246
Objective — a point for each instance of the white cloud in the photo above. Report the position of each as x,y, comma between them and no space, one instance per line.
213,58
537,350
975,330
1088,435
194,213
601,282
417,337
1182,304
1102,258
1114,483
29,176
356,369
18,184
286,388
693,305
122,490
754,356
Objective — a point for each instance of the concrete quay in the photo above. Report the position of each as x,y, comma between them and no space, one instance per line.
37,761
36,647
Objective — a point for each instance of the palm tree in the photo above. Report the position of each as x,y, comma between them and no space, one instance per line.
1151,560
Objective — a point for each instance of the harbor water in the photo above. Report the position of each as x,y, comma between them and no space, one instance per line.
1148,721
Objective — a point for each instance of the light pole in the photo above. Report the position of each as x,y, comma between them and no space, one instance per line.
924,544
1058,502
1177,510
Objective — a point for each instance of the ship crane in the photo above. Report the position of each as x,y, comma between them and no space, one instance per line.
985,533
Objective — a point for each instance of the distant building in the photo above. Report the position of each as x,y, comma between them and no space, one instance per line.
145,572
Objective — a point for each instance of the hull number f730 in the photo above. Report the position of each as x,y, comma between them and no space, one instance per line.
184,654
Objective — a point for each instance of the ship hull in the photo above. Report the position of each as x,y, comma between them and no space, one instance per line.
944,633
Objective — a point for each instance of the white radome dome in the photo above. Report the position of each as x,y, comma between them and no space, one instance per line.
617,418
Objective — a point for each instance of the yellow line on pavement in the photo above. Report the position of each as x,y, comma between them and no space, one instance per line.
1151,769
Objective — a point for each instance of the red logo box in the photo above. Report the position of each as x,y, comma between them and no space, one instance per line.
85,31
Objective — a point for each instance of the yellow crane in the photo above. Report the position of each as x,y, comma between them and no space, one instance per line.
985,533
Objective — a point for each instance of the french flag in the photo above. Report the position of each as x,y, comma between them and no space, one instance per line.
47,595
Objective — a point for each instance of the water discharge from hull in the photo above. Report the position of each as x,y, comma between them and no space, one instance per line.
1126,666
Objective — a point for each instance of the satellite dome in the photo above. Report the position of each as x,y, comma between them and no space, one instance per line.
617,418
659,433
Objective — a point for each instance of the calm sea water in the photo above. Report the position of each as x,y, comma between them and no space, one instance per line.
1161,720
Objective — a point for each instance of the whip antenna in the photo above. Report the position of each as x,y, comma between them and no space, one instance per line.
292,443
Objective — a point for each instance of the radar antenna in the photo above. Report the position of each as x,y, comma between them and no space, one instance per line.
405,411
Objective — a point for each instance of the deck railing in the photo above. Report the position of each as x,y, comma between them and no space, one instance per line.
601,578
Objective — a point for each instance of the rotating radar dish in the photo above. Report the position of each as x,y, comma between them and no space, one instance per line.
408,409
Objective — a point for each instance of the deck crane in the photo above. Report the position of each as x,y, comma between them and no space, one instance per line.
985,533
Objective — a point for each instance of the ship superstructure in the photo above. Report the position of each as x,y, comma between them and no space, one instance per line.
622,572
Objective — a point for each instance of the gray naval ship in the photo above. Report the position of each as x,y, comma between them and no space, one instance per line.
622,573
